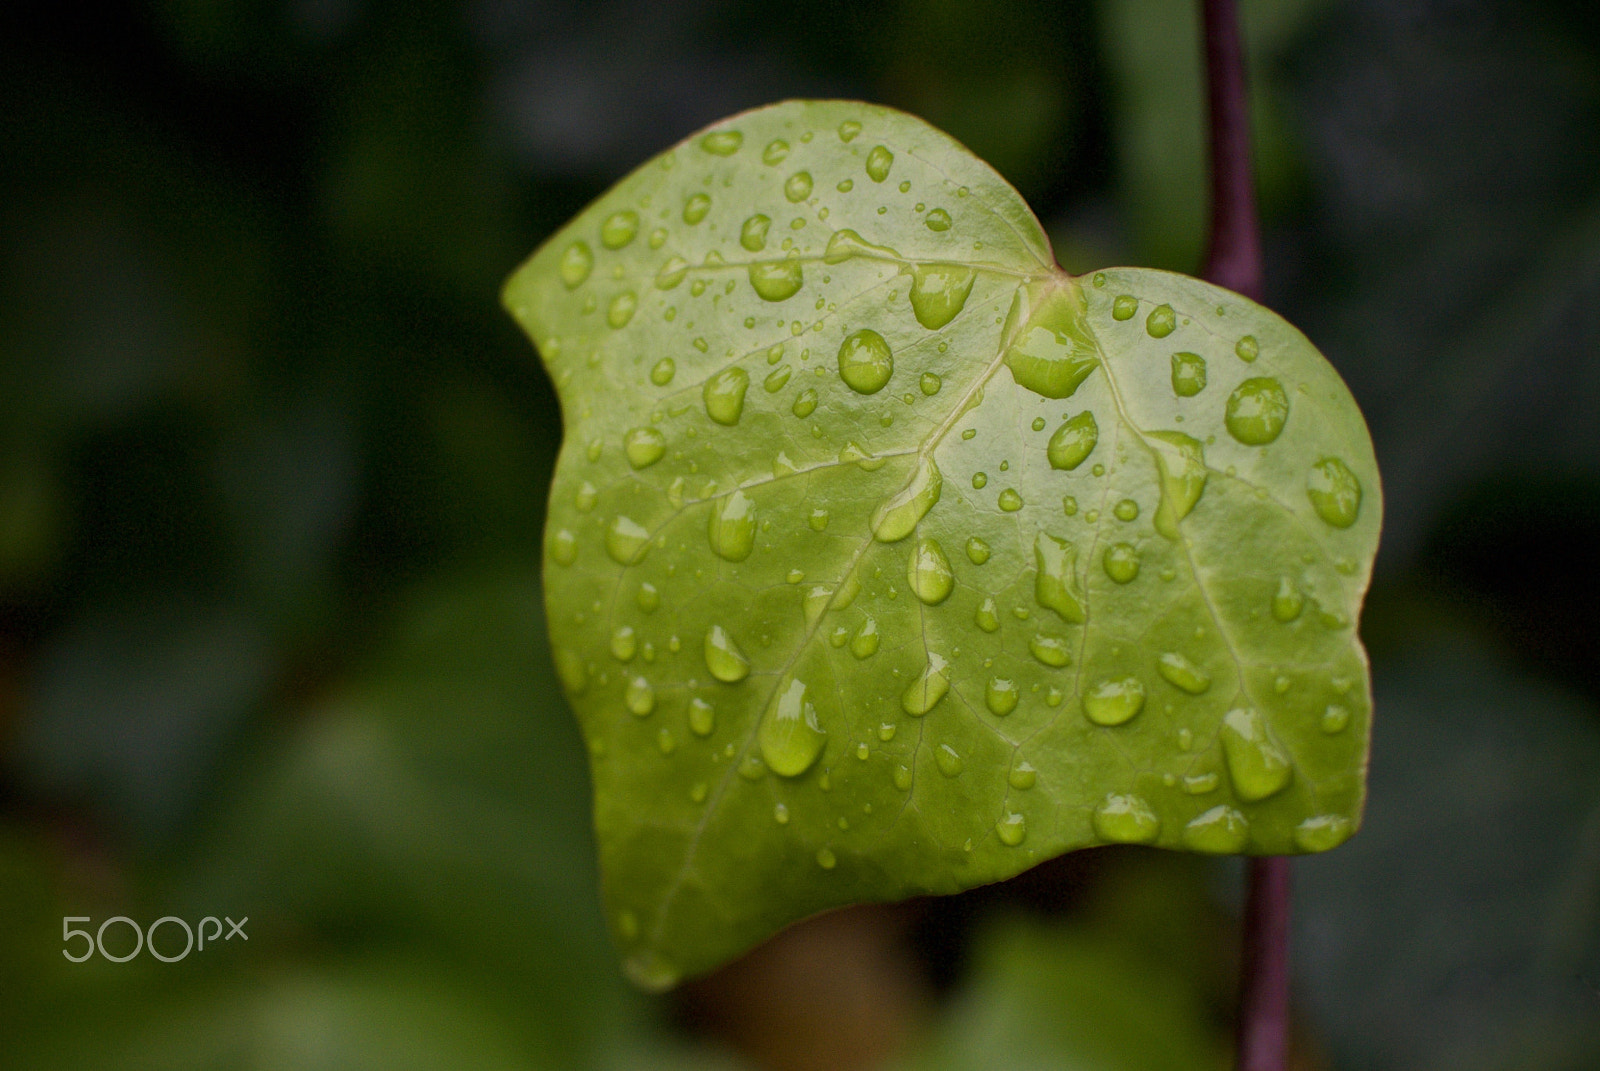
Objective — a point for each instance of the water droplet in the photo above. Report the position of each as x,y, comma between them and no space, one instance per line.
1056,582
805,403
1000,696
639,697
1247,348
626,540
865,363
1219,831
930,383
1009,500
928,572
1022,777
586,496
753,234
724,395
702,718
886,731
776,280
848,130
902,778
666,743
731,529
695,208
1012,829
1113,702
576,264
1257,409
924,693
798,187
1161,322
723,658
1335,492
722,142
1322,832
1121,561
1287,602
621,309
671,273
619,229
790,736
643,446
1335,718
751,768
988,618
564,547
1181,462
1200,784
1050,650
650,972
1188,374
847,592
777,379
938,220
826,859
663,371
980,480
1183,674
775,153
1124,306
939,292
949,760
879,161
658,238
818,520
1126,819
1257,764
623,643
897,516
780,814
1127,510
1054,352
977,551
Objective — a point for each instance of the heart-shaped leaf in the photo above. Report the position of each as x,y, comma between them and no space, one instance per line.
885,558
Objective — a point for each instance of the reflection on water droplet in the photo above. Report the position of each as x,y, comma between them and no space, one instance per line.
723,658
1050,650
619,229
977,551
1322,832
1247,348
797,187
930,383
1335,718
928,572
1335,492
643,446
1056,581
980,480
1183,674
639,697
1257,764
988,618
751,768
949,760
724,395
663,371
789,735
896,517
627,541
1257,409
939,292
865,363
576,263
1219,831
1121,561
731,529
564,547
1126,819
1073,441
1161,322
1113,702
1000,696
1188,374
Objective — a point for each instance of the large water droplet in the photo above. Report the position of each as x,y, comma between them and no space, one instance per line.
1183,674
1161,322
847,243
695,208
1053,353
928,572
1219,831
1126,819
1001,695
564,547
619,229
987,617
723,658
1335,492
722,142
621,309
939,293
663,371
865,363
1055,585
1257,409
797,187
790,736
1012,829
1121,562
724,395
753,234
639,697
576,264
1257,764
626,540
924,693
938,220
1052,651
864,644
731,529
879,161
949,760
1322,832
776,280
897,516
643,446
1188,374
1287,601
1073,441
1181,463
1114,701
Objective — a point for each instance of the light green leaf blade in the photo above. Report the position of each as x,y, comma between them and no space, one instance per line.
852,600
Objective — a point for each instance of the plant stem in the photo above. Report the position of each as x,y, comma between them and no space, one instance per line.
1234,261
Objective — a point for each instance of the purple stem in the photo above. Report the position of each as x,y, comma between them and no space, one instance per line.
1234,261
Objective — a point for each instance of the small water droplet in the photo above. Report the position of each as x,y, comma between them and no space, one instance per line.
938,220
751,768
1114,701
839,636
826,859
623,643
621,309
722,142
775,153
1287,602
723,658
1069,505
619,229
564,547
1022,777
1200,784
848,130
753,233
666,743
949,760
1001,696
1124,306
790,736
639,697
988,618
1121,561
977,551
724,395
980,480
1257,764
1056,580
896,517
939,292
902,778
797,187
1188,374
780,814
805,403
1257,410
1183,674
1219,831
1009,500
1161,322
928,572
1126,819
1335,718
776,280
924,693
731,529
576,263
663,371
1073,441
643,446
1335,492
627,541
1012,829
672,273
1247,348
1050,650
879,161
864,644
695,208
1322,832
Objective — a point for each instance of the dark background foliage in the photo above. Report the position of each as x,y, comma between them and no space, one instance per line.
272,471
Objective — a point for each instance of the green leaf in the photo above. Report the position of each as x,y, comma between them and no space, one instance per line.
853,601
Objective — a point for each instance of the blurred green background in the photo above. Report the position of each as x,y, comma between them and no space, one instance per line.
272,471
